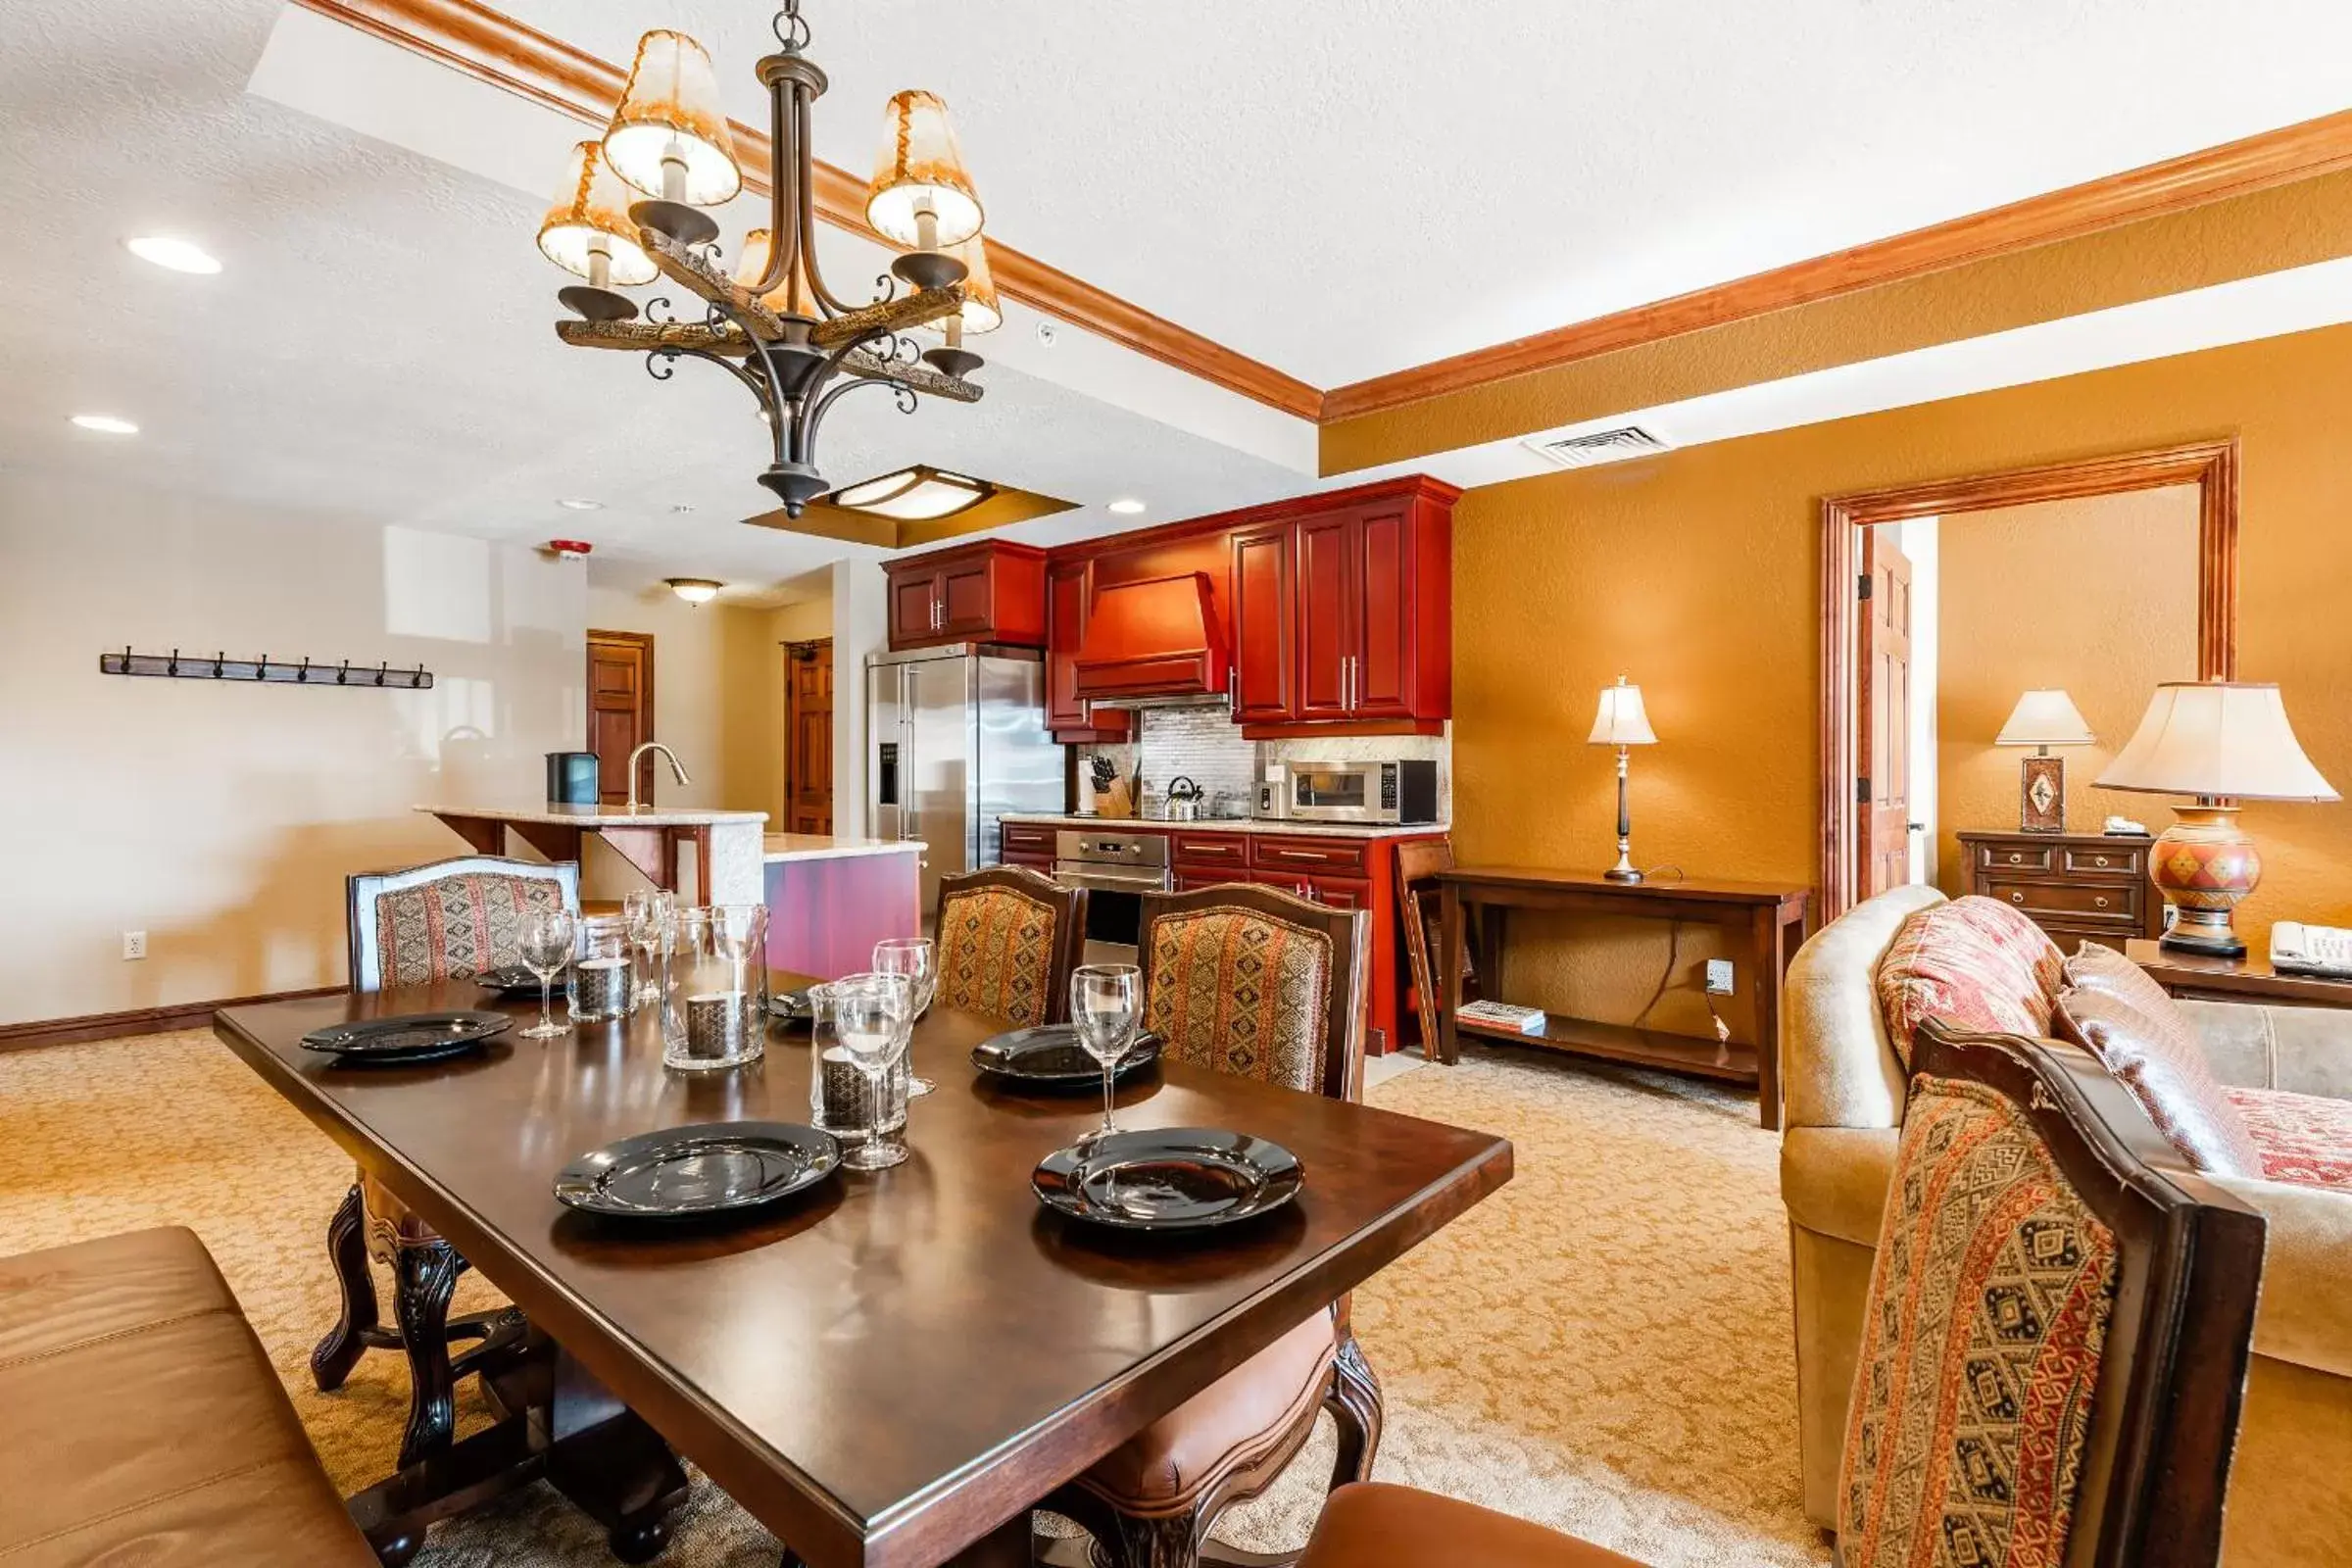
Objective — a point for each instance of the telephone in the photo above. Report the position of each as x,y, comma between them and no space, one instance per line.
2320,950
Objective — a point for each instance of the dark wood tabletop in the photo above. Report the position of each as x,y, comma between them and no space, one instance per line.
890,1369
1665,885
2246,979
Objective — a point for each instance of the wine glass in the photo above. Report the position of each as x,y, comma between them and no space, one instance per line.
1104,999
916,960
872,1016
649,913
547,936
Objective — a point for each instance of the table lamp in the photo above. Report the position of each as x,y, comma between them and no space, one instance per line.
1621,723
2042,719
2222,742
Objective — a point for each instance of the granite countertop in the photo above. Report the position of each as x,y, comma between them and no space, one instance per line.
782,846
1245,824
596,816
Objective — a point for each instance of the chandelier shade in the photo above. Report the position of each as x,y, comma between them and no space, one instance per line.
982,311
919,176
590,214
794,296
670,137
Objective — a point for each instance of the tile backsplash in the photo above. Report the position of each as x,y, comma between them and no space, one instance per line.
1205,745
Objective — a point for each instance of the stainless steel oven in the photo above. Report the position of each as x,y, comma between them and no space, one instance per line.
1115,869
1404,791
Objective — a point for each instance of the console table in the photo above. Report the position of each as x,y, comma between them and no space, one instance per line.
2200,977
1765,920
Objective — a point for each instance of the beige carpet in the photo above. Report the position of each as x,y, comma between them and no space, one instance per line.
1604,1346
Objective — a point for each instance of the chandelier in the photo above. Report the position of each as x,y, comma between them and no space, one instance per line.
772,322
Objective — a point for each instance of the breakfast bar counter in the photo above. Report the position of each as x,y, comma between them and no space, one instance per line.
727,847
830,899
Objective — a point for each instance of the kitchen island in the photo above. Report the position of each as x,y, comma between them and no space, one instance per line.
727,847
830,899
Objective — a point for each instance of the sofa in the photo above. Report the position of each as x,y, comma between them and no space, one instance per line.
2290,1496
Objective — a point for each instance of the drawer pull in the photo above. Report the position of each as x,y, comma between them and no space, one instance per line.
2099,859
2100,901
2016,859
2017,897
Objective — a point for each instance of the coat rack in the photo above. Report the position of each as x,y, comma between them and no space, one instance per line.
176,666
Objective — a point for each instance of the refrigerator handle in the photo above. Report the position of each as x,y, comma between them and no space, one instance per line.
906,790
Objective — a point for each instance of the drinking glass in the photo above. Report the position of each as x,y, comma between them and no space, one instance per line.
650,912
916,960
1104,999
546,950
713,1001
872,1016
837,1099
603,980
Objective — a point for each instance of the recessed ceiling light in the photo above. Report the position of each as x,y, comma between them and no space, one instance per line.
1127,508
179,255
694,590
106,425
574,504
919,494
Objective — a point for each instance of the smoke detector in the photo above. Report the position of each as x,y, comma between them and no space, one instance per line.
569,549
1597,447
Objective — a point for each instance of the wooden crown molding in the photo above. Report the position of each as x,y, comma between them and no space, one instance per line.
2233,169
489,46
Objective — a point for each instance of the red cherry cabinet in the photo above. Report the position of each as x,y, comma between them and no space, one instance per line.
1265,663
1374,615
993,591
1069,595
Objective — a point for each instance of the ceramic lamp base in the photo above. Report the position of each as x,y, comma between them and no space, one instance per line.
2203,864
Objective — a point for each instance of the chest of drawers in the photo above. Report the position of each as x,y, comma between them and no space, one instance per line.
2073,885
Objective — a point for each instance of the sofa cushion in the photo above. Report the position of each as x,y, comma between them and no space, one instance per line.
2302,1139
1974,963
2155,1053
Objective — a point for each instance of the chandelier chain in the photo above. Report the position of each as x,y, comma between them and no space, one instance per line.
791,27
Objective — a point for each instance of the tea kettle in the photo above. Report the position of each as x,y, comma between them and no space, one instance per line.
1184,799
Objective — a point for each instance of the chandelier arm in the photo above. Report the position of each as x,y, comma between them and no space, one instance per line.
827,301
757,384
813,413
783,229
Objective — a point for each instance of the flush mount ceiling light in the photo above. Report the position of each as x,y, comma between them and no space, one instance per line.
772,323
106,425
1127,508
918,494
179,255
694,590
575,504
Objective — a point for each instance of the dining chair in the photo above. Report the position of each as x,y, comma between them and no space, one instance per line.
1007,938
1246,980
426,925
2054,1345
1418,863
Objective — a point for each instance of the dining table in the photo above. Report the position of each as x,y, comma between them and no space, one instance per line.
888,1370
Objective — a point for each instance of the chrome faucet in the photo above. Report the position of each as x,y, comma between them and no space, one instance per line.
639,752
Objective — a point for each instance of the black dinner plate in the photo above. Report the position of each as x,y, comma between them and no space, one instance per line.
408,1039
1049,1057
514,980
1168,1179
684,1173
791,1007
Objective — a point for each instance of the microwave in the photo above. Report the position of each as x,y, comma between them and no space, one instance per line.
1349,792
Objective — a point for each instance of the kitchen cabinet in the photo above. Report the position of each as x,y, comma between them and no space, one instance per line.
1374,610
1266,665
1029,843
1069,594
993,591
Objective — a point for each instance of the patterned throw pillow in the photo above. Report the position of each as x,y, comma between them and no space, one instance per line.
996,954
2156,1055
1989,1301
457,927
1974,963
1242,993
2304,1139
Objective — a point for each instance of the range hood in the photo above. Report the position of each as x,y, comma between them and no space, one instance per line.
1155,643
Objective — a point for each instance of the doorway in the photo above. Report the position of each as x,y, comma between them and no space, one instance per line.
620,711
809,735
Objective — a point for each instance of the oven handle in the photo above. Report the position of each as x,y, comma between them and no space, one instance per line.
1111,881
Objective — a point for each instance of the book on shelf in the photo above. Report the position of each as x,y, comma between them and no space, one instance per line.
1502,1015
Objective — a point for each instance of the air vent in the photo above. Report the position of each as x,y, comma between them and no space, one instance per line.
1599,447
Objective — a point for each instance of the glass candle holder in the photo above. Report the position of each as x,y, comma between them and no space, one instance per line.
839,1097
603,978
714,987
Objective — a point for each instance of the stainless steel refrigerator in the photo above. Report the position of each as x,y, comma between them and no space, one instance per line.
956,737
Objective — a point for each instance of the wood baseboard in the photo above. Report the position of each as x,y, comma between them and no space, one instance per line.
138,1021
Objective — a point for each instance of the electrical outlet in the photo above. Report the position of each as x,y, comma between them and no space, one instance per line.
1719,977
134,944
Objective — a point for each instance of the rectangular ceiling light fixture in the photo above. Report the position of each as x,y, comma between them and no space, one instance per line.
916,494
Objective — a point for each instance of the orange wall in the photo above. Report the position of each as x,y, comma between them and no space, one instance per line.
1694,573
2097,596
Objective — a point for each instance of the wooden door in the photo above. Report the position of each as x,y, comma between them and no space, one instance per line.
1382,686
1329,614
620,711
1885,712
914,607
809,736
967,598
1265,663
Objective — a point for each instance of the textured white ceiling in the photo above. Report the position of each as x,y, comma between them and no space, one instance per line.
1345,187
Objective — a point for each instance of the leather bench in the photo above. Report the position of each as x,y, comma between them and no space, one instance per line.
145,1424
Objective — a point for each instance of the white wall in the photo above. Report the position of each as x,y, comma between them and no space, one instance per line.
222,819
861,626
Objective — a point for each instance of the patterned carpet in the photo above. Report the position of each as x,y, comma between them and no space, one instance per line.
1603,1346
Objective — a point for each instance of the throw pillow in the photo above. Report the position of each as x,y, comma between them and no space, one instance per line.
1973,962
2094,967
2304,1139
2156,1055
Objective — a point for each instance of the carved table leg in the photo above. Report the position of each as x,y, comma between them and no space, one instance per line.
347,1247
1354,1405
427,1275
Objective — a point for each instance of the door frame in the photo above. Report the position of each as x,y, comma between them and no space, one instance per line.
2211,465
645,641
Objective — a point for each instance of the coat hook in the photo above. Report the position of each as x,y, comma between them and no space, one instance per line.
302,676
172,668
343,675
260,668
220,659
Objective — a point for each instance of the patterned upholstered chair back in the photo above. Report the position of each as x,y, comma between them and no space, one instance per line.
450,920
1007,938
2057,1334
1257,983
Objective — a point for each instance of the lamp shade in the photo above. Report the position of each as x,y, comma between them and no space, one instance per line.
1621,721
670,110
981,311
794,296
2045,717
921,169
2217,738
591,211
